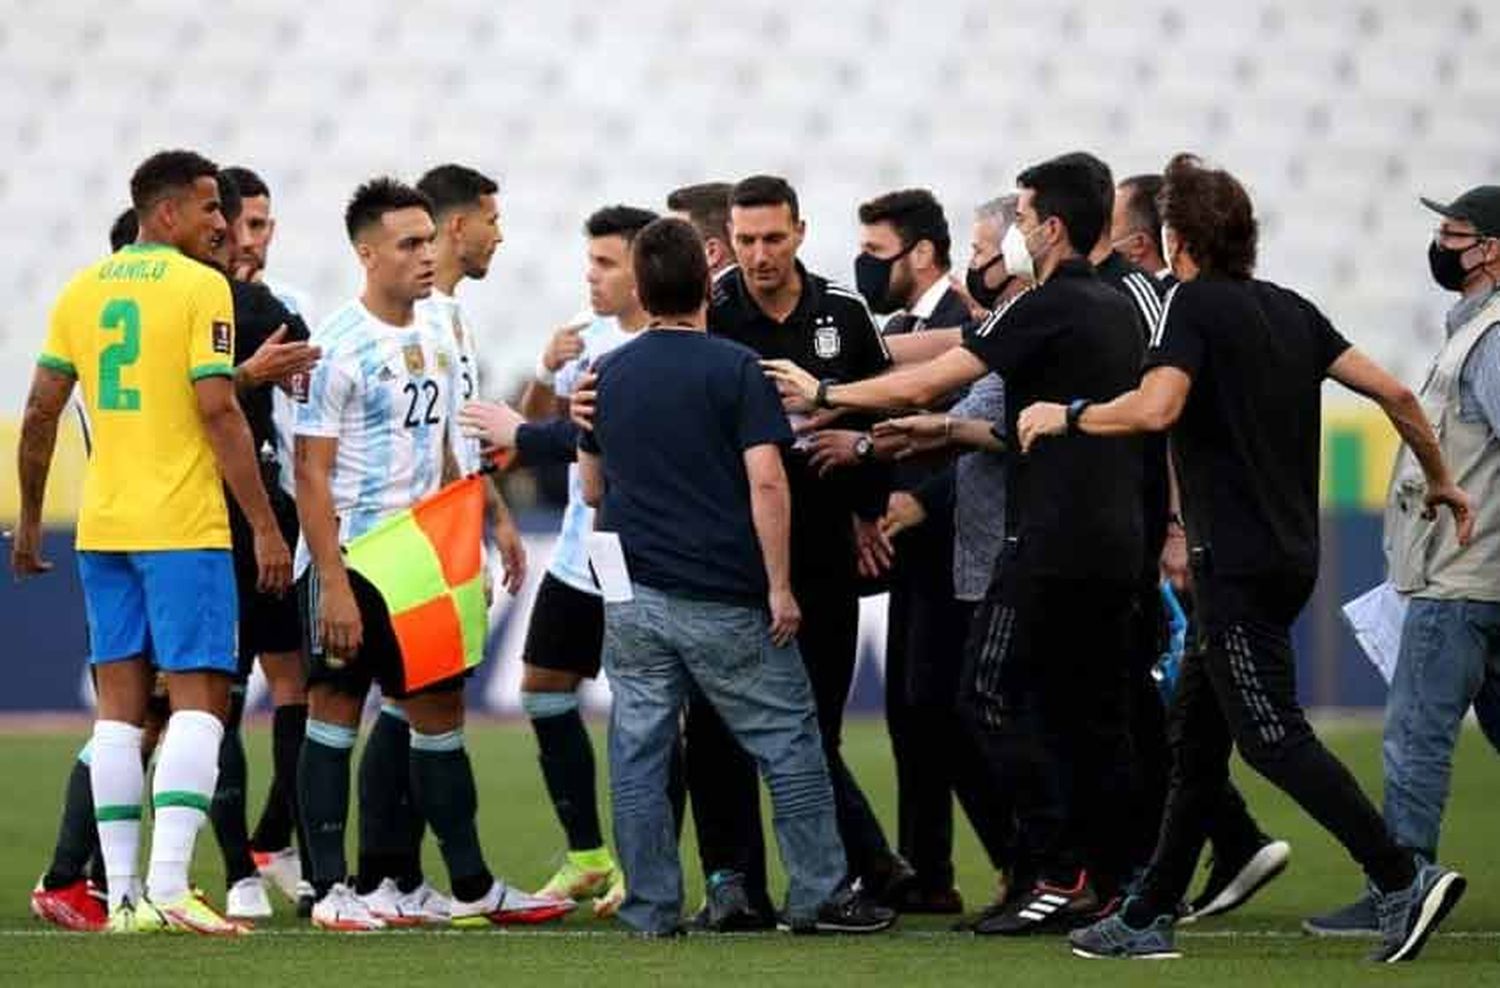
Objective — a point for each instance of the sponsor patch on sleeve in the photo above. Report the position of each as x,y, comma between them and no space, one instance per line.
222,336
301,386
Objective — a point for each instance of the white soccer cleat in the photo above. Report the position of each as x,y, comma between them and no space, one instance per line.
432,907
507,906
282,869
344,912
247,899
387,905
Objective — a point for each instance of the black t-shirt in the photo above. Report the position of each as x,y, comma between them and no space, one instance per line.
1073,504
830,334
1145,293
1248,441
257,314
676,412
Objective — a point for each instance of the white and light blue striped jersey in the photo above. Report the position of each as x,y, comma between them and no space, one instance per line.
570,559
445,318
387,394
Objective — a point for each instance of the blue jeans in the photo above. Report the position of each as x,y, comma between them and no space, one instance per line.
654,647
1449,659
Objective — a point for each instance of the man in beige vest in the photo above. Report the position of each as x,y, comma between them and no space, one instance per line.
1450,640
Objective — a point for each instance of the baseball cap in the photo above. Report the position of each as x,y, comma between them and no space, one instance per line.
1480,206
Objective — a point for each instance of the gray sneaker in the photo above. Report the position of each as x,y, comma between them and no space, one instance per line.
1113,937
1357,919
1408,917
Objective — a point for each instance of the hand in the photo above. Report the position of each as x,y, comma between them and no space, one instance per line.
566,343
912,434
273,563
798,388
873,551
582,401
818,420
833,448
1452,496
1044,418
26,552
274,360
902,511
494,423
339,626
512,554
1174,559
786,616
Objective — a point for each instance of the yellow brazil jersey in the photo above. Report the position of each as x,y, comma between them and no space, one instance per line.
136,330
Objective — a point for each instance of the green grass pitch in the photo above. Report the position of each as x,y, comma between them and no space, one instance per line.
1259,946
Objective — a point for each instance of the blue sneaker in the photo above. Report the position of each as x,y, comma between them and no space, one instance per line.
1113,937
1357,919
1408,917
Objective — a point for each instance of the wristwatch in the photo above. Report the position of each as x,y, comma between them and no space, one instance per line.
820,397
1076,409
864,447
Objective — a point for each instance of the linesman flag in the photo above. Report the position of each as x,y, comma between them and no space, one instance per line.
428,565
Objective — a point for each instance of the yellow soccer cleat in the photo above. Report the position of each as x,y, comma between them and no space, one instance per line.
583,875
609,903
192,913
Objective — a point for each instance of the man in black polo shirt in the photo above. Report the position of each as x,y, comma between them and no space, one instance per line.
775,306
1049,634
1236,372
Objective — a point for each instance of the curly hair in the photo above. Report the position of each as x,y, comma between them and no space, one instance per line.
1211,214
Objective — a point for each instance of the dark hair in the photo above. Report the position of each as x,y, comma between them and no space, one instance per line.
166,173
766,190
916,215
707,206
671,271
231,202
1140,203
455,187
618,221
377,197
246,181
1068,187
124,230
1211,214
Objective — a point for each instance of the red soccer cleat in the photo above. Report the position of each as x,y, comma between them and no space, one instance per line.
72,907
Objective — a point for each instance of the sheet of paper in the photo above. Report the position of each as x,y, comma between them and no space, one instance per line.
608,559
1376,617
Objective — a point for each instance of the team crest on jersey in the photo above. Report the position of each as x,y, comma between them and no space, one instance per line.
415,362
826,342
222,336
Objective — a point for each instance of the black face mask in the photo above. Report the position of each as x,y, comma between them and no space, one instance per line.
872,276
1447,265
979,291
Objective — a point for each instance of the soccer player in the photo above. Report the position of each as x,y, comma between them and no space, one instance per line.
372,439
1236,373
565,638
149,334
390,878
257,228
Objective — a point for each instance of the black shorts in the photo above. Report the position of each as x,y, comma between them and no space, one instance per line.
267,623
566,631
378,661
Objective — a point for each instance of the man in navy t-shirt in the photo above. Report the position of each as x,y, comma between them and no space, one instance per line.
685,465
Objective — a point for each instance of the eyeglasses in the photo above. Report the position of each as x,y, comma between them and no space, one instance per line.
1450,237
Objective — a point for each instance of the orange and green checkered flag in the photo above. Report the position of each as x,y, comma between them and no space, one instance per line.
428,565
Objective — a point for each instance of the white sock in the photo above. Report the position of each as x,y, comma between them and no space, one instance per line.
117,781
187,766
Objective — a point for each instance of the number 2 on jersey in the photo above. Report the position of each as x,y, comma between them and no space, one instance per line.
430,416
125,315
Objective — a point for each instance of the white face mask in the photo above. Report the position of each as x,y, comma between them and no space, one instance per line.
1017,258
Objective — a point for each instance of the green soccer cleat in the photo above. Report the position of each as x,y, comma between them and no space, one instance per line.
583,875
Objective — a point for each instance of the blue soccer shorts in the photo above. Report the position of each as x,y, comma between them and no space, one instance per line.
175,606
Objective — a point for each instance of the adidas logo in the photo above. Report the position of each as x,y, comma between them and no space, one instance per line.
1042,907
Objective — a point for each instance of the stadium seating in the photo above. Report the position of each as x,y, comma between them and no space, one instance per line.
1337,112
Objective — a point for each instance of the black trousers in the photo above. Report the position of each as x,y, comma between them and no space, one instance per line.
722,780
1228,824
1045,695
936,757
1239,687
